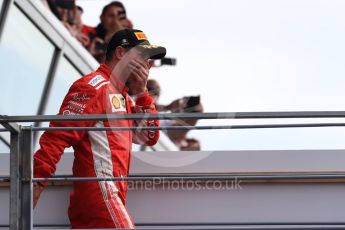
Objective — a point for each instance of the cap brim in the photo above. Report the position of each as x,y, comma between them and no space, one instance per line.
153,51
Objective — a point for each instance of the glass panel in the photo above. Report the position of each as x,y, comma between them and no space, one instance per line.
1,2
25,56
4,148
66,74
4,136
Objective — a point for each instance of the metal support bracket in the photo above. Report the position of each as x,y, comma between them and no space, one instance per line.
12,127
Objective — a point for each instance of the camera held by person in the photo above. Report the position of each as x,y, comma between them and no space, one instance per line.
191,104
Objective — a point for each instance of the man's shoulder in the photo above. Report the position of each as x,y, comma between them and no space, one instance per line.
91,82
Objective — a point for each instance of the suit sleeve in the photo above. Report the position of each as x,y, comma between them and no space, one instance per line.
145,105
81,99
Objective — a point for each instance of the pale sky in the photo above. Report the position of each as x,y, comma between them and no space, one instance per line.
249,55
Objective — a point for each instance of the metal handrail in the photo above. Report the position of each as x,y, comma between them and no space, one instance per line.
5,179
169,116
21,151
179,128
174,177
246,226
242,177
220,225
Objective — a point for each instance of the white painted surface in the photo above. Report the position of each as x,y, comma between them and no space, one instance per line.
317,203
270,202
221,162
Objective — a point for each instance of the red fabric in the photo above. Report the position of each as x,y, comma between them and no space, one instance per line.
97,153
88,31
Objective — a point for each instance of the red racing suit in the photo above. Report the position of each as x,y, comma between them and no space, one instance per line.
97,153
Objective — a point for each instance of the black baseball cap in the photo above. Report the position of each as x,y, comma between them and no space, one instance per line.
66,4
129,38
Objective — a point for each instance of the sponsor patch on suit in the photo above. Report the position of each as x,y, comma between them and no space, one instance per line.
97,79
118,103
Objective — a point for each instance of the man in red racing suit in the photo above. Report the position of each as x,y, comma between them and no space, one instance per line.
101,154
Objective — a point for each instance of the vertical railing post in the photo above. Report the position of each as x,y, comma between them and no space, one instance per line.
21,179
15,181
26,151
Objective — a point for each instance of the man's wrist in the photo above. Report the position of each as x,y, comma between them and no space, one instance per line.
141,93
143,99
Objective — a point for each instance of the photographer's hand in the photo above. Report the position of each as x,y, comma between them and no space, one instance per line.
175,106
93,49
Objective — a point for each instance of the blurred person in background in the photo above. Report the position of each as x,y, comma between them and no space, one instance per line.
45,3
181,105
82,32
70,16
113,19
65,11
